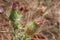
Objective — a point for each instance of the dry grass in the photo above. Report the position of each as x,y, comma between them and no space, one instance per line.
31,10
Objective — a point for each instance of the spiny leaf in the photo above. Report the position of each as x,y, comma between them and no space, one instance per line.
14,15
31,25
30,28
15,36
24,36
15,25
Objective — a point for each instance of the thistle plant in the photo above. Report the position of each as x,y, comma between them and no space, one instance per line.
15,18
30,27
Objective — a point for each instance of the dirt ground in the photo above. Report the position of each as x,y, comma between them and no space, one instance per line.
38,10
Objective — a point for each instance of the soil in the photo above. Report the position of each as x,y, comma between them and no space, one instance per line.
45,13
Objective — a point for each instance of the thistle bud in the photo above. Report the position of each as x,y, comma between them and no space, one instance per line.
15,5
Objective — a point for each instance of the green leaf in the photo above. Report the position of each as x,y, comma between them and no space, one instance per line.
15,25
24,36
14,15
31,25
15,36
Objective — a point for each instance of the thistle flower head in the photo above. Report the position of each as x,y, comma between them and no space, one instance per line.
15,5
